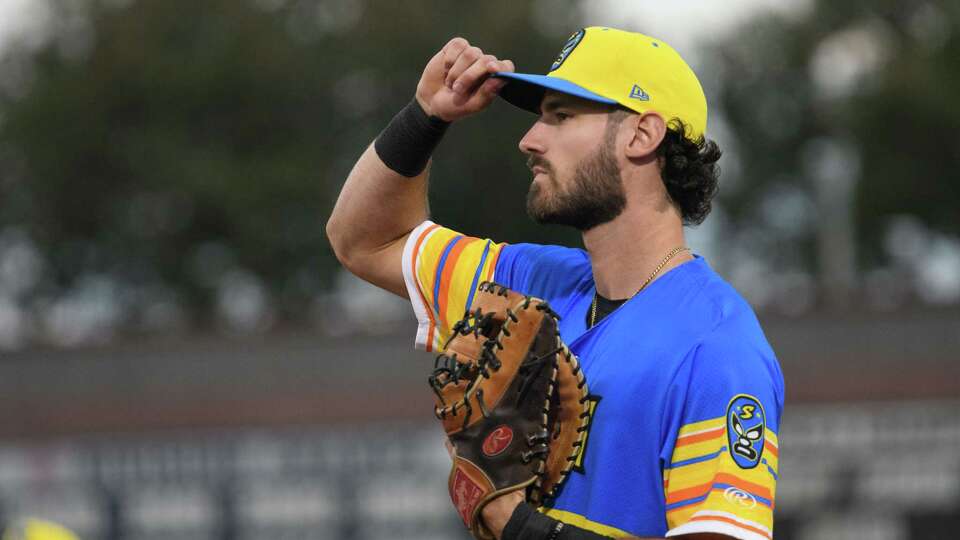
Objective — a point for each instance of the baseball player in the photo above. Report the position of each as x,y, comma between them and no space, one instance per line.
685,392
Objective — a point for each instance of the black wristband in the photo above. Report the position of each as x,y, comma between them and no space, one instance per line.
408,141
527,524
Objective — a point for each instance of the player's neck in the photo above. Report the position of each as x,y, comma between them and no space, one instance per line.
625,251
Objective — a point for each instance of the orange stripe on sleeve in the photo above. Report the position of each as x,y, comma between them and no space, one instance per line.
449,268
689,493
771,448
699,437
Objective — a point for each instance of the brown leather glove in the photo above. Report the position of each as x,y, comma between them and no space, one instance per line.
513,402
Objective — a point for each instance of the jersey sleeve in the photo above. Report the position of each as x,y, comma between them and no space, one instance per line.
544,271
719,449
442,269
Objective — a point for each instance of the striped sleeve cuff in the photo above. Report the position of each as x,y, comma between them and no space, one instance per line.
707,521
426,323
441,269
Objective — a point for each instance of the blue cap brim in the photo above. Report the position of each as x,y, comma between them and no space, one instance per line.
526,90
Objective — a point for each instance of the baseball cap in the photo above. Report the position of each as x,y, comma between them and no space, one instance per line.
613,66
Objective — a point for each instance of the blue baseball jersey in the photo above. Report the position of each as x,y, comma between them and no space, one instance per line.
685,392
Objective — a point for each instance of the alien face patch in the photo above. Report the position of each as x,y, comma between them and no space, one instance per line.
746,423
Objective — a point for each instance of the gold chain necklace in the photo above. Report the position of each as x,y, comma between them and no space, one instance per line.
672,254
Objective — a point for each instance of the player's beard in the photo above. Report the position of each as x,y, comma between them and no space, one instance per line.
595,195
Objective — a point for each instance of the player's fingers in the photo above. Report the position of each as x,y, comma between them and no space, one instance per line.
466,59
436,60
451,51
475,74
492,86
482,97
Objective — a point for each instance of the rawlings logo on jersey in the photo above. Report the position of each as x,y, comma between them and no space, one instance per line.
746,423
568,48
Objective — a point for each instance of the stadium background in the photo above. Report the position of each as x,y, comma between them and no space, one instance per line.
181,357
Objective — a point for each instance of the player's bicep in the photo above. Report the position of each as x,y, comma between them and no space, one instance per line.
382,267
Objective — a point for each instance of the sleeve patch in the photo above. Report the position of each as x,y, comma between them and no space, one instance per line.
746,423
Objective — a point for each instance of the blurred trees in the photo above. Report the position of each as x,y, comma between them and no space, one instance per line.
855,97
175,157
167,160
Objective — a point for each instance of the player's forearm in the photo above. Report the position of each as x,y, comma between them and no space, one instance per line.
384,197
376,207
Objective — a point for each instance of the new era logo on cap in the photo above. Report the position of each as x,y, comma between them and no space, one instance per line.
638,93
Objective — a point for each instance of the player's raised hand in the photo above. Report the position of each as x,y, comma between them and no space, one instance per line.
456,82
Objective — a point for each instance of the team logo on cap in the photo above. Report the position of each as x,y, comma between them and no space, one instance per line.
746,422
568,48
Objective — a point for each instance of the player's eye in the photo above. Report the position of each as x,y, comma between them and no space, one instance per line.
561,116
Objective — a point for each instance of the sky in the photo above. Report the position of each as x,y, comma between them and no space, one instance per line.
22,20
683,23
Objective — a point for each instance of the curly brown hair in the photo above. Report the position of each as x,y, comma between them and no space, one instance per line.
689,171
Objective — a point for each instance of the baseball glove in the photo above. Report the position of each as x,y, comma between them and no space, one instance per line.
512,400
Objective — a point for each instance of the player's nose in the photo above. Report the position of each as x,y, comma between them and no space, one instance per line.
533,141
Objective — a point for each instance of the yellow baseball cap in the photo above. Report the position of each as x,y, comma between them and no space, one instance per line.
612,66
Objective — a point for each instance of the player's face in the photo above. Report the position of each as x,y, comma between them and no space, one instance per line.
571,151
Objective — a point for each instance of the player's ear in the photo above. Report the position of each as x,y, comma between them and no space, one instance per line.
648,130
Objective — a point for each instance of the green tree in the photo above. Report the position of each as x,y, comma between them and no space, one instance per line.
179,140
880,77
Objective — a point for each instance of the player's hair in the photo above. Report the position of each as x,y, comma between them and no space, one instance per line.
689,171
688,167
